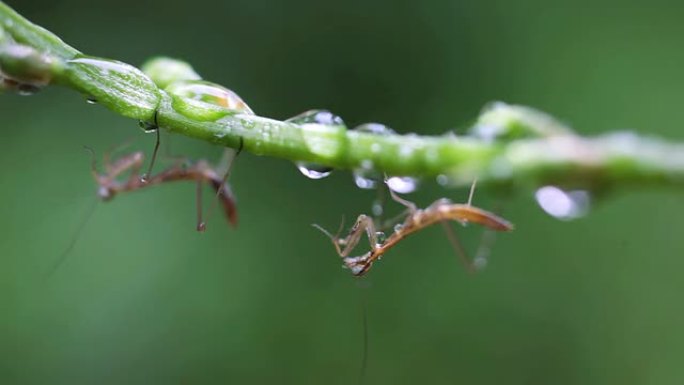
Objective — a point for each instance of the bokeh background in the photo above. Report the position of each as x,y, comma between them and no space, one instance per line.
143,298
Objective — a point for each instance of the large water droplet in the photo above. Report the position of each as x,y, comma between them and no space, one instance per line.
402,184
210,93
323,132
564,205
314,171
206,101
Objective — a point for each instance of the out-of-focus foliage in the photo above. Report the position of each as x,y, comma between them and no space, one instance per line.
143,298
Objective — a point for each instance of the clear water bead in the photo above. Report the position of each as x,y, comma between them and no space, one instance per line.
375,128
313,171
402,184
564,205
322,117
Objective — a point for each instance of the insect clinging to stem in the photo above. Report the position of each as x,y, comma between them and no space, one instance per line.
110,184
440,211
199,171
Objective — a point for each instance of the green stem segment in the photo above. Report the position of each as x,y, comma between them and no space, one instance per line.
508,145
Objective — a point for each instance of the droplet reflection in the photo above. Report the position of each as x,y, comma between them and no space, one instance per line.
564,205
313,171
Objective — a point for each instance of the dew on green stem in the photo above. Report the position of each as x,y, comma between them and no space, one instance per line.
563,205
322,117
402,184
116,85
91,100
313,171
323,132
366,177
375,128
206,101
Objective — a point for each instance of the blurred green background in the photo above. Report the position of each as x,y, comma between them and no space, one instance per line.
143,298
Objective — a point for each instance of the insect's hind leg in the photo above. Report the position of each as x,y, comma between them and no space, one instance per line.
224,193
412,208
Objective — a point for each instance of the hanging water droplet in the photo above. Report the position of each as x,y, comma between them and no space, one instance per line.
364,182
91,100
366,177
314,171
27,89
564,205
442,180
402,184
147,127
323,132
378,208
375,128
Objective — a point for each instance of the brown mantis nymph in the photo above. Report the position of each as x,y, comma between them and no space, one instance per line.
199,171
111,183
440,211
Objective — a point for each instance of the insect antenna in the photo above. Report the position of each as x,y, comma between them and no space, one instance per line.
90,210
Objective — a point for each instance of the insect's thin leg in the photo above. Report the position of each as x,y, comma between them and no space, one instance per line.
201,226
93,162
72,243
363,224
472,192
364,324
484,250
334,238
135,166
229,168
144,178
410,205
458,247
107,156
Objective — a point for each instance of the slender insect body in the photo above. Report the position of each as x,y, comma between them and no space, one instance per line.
441,211
200,171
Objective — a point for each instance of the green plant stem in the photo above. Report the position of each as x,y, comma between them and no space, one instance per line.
508,145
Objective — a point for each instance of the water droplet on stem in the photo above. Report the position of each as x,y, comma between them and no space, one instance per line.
402,184
564,205
314,171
